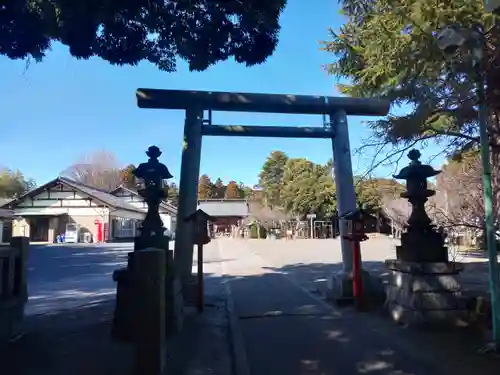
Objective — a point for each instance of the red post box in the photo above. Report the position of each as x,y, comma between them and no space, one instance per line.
100,234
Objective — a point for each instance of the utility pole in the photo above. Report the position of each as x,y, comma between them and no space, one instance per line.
489,220
472,43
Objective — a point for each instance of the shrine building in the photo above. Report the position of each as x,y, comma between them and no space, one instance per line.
227,212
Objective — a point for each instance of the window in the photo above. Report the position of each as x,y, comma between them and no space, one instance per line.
124,228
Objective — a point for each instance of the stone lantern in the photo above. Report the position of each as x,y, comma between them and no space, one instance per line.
151,248
421,242
423,285
152,174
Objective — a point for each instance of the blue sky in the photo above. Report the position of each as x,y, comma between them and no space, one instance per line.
60,109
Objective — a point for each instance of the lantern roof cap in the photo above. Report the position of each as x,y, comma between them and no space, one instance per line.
416,169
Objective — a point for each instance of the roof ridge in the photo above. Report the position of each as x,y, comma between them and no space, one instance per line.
72,181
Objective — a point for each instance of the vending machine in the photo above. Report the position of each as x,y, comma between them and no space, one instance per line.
72,233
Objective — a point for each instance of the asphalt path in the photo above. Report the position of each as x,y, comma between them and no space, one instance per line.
287,328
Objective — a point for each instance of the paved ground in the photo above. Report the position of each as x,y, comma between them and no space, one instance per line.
70,275
70,317
67,276
309,263
286,329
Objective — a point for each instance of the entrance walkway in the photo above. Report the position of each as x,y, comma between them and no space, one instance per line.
287,330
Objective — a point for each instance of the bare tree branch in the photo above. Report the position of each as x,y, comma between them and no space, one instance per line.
99,169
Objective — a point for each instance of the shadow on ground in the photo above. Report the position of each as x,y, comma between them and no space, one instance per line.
66,276
286,332
75,341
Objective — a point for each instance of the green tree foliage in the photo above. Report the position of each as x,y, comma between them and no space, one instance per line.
372,192
257,231
387,48
13,183
307,188
219,189
205,187
271,178
127,32
127,177
245,191
304,187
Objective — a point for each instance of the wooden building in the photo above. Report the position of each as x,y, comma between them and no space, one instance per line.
227,212
44,212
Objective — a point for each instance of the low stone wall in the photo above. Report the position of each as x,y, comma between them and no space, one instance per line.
13,287
425,293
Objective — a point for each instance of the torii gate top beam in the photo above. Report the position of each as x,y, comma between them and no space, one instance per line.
264,103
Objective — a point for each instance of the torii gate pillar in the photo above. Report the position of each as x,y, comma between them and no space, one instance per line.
188,188
344,181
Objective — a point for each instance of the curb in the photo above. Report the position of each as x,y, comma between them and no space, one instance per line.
238,350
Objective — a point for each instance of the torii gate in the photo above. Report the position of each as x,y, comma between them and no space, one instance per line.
195,127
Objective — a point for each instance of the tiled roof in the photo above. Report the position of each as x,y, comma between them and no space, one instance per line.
166,205
98,194
224,207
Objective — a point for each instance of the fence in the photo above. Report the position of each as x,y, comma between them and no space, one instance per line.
13,287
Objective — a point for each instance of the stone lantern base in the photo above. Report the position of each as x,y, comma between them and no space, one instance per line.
425,292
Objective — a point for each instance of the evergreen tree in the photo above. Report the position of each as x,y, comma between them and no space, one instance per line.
219,189
389,49
126,32
271,178
371,192
307,188
13,183
127,177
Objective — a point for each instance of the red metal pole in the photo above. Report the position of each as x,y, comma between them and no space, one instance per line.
201,287
357,282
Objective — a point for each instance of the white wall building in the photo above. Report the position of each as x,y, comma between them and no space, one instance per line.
44,212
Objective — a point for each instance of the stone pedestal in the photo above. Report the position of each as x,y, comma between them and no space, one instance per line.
126,295
425,292
149,274
174,314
